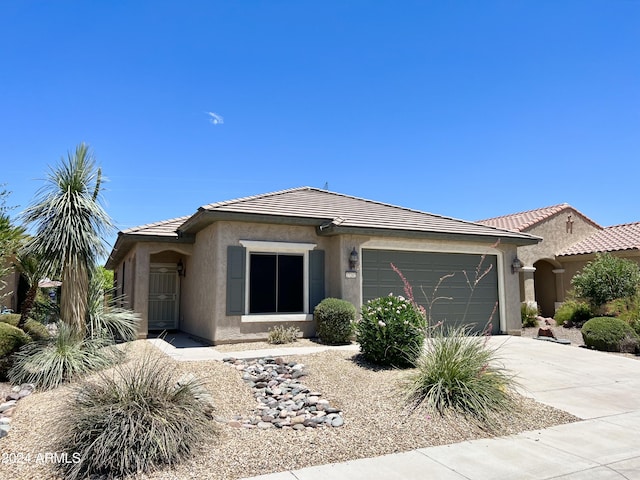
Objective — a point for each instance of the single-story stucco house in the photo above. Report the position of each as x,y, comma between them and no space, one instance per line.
234,269
570,241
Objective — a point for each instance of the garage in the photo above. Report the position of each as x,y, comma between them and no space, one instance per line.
458,301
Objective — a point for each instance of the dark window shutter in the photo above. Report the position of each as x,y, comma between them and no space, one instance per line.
235,280
316,278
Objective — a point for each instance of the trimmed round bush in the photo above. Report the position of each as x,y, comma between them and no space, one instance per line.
36,330
11,339
10,318
334,321
609,334
391,331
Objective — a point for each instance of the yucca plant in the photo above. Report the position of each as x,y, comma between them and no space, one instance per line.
459,371
52,362
106,320
136,418
70,226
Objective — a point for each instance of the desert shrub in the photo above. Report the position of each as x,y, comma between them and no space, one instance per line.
137,419
10,318
106,320
458,371
59,359
334,320
44,310
573,312
529,312
627,309
606,278
609,334
281,334
390,331
11,339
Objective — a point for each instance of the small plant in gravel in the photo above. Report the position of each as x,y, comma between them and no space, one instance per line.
529,312
573,312
609,334
391,331
458,371
280,334
51,362
334,321
136,419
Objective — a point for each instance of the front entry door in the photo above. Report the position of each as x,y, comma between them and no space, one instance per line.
163,297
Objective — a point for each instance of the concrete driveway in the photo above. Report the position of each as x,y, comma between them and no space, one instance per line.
601,388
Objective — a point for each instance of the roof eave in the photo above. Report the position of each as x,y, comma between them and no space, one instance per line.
125,242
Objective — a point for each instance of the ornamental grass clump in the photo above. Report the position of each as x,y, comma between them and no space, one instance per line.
391,331
49,363
458,371
136,419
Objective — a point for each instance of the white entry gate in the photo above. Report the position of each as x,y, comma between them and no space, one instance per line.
163,297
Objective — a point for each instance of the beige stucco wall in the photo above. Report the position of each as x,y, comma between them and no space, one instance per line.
575,263
9,292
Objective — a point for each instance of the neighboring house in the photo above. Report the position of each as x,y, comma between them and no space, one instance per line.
234,269
570,241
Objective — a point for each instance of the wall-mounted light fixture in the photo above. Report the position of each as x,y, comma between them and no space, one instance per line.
181,270
516,265
353,259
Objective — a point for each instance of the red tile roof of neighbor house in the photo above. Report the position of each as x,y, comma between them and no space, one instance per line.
519,222
341,211
609,239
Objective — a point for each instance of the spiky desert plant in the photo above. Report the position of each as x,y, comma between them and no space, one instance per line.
136,418
70,226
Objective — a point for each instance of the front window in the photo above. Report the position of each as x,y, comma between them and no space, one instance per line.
276,283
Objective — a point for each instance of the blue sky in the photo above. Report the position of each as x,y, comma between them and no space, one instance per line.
470,109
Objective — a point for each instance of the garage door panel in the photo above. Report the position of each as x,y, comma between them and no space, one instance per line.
475,306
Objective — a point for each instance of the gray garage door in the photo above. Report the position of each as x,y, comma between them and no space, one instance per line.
463,304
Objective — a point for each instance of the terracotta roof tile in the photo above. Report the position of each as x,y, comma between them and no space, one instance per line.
519,222
609,239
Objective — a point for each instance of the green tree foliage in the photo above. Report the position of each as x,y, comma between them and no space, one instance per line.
70,227
606,278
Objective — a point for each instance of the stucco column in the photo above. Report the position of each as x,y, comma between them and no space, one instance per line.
559,272
529,285
141,286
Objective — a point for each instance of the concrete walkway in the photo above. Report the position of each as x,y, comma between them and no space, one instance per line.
601,388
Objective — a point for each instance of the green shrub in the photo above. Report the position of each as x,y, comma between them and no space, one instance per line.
36,330
458,371
529,312
11,338
609,334
10,318
627,309
606,278
49,363
573,312
105,319
391,331
281,334
137,419
334,321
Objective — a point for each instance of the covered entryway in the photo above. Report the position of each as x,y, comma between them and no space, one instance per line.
164,292
544,279
467,295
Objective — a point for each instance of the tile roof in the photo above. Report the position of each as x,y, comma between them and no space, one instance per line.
345,211
609,239
165,228
519,222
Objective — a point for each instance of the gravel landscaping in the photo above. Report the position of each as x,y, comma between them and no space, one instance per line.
375,422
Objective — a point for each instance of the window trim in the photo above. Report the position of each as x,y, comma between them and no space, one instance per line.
258,246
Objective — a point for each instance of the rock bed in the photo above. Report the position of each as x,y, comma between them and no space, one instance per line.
283,401
8,406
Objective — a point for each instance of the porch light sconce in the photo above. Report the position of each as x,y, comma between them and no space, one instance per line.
181,269
516,265
353,259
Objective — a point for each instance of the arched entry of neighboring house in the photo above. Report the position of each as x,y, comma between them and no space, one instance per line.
544,280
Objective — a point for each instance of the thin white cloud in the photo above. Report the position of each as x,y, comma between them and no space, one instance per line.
215,118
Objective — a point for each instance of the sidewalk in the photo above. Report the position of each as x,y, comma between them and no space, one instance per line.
603,389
